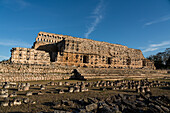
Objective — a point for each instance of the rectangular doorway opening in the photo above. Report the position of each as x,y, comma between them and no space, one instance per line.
109,60
85,59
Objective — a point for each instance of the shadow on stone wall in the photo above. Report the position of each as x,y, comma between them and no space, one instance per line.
76,75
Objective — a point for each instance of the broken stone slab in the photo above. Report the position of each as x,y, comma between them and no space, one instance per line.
68,103
71,89
159,110
82,102
40,93
11,103
76,90
148,94
60,111
60,83
91,107
165,109
51,83
17,102
57,104
26,100
147,89
115,109
42,88
26,88
6,86
67,83
92,100
4,95
121,108
29,93
127,103
20,89
14,94
3,91
103,88
4,104
102,104
83,89
12,83
144,96
82,110
61,91
32,102
140,104
105,110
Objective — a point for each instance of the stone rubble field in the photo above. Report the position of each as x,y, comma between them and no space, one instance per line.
98,96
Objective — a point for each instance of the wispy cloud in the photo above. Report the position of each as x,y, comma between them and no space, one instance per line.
154,47
14,43
3,57
162,19
160,44
15,4
150,49
97,14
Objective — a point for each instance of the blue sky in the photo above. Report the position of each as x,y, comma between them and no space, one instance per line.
139,24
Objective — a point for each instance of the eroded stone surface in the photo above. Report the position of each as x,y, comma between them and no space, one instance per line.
79,52
54,57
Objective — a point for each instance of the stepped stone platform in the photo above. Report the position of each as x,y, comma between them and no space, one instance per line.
20,72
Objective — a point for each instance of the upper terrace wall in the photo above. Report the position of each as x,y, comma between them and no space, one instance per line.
44,38
87,46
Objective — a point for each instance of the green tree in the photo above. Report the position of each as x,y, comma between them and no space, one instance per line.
168,63
161,59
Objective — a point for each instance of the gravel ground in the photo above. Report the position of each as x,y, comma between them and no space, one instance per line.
45,101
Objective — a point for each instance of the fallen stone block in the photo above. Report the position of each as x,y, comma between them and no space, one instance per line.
91,107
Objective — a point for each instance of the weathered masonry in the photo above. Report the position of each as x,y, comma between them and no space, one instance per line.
29,56
66,50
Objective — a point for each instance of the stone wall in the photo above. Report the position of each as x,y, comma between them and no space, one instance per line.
80,52
29,56
25,72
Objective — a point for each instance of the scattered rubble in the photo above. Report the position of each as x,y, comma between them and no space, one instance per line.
142,100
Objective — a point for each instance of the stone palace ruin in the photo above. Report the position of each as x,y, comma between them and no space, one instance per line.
66,50
54,57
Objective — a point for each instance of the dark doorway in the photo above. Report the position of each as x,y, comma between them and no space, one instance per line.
53,56
85,59
128,61
109,60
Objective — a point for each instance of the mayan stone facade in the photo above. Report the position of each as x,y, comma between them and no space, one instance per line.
66,50
29,56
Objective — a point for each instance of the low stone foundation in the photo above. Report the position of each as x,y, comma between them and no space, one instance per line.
92,73
18,72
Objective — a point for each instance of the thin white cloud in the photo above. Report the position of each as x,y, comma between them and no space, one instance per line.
97,14
154,47
3,57
150,49
162,19
14,43
160,44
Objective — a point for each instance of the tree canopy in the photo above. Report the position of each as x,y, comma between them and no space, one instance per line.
161,59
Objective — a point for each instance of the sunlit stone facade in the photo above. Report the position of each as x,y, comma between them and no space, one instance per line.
79,52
